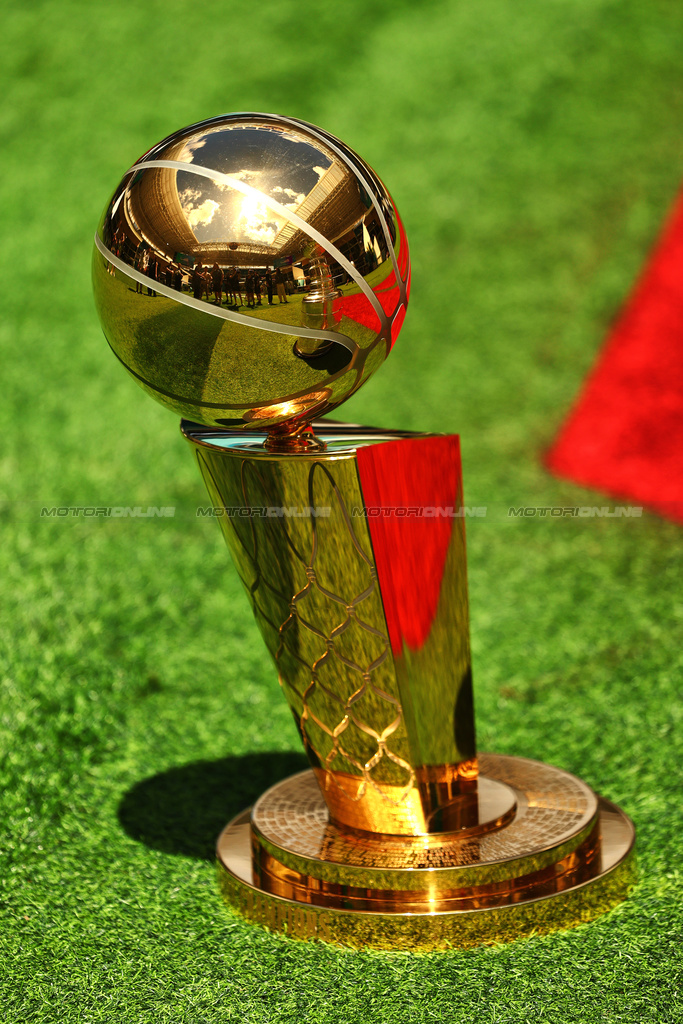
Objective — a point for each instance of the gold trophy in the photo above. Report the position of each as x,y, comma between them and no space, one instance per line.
251,272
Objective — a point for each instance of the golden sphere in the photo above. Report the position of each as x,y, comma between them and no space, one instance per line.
251,271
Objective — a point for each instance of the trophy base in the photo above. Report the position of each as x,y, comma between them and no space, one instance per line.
559,858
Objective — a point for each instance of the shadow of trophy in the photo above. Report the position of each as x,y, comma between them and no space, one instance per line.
350,544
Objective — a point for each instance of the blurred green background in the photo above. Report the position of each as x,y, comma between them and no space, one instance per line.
533,150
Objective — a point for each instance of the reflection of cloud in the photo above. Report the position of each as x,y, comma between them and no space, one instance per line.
298,197
202,214
189,149
320,171
197,213
244,175
254,223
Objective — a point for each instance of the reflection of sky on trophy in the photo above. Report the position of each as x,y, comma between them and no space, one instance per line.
287,171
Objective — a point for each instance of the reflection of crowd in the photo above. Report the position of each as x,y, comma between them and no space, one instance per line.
254,286
157,270
207,283
211,283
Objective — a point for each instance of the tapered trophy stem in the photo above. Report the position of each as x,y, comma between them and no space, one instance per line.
353,558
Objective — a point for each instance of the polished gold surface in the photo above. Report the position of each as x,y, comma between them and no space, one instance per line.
251,272
313,585
564,858
248,263
531,817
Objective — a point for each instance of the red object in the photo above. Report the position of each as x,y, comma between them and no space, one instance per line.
410,549
625,434
356,306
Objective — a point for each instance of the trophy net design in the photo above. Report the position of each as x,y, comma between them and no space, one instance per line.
251,272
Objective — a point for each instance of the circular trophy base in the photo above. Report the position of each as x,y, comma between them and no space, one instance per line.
551,854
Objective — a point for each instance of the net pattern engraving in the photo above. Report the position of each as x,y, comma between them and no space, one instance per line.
336,712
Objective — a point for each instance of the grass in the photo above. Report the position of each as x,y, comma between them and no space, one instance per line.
533,151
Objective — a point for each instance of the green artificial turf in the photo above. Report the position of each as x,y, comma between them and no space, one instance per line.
533,149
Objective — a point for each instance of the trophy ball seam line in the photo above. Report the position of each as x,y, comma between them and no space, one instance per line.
223,314
168,394
327,140
249,190
179,398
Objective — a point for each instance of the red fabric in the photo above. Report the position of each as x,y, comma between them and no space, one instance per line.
625,434
410,550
